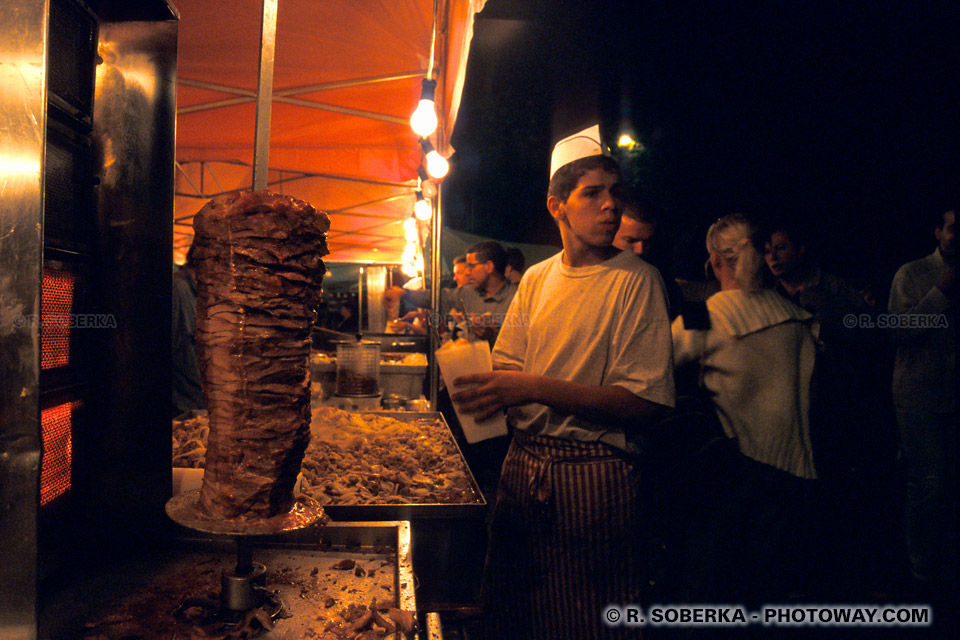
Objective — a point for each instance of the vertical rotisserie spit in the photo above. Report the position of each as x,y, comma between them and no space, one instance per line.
259,274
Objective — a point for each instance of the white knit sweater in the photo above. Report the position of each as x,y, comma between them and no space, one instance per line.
757,361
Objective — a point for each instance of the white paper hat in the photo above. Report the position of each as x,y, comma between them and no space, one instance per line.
580,145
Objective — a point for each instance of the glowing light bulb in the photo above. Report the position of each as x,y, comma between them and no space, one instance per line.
437,165
410,224
626,141
424,118
409,270
411,234
409,252
428,188
422,208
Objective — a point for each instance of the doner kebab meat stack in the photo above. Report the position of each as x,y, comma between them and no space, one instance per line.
259,274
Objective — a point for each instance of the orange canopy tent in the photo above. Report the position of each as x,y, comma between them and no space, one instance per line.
347,76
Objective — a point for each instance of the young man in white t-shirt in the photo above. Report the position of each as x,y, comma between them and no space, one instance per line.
583,361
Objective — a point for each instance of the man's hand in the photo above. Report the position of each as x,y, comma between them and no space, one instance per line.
483,394
393,294
398,326
483,326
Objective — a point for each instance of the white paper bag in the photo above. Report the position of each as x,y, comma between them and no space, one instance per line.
459,358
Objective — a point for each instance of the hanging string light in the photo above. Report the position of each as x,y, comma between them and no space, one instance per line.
411,252
424,122
424,119
437,165
410,230
422,208
427,186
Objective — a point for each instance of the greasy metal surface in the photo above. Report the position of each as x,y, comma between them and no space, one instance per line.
124,461
22,117
451,537
434,627
243,592
299,567
185,510
372,534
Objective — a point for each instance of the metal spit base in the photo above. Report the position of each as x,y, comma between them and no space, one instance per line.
143,593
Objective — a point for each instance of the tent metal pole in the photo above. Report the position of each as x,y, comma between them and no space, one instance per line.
206,106
367,204
360,304
212,86
268,49
353,82
310,104
435,300
436,221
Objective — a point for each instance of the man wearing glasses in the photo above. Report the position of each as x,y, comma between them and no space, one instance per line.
486,299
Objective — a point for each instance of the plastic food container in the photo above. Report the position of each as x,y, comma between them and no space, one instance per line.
358,369
458,358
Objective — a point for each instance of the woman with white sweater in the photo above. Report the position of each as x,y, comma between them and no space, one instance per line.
756,364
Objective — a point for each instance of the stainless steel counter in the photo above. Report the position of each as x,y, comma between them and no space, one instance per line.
141,595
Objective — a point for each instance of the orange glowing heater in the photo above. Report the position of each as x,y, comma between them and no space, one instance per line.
56,422
56,307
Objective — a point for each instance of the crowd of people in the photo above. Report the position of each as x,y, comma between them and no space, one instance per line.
738,442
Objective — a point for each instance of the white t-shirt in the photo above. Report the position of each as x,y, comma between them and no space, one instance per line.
605,324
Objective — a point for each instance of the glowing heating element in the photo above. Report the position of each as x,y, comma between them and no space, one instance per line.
55,309
56,425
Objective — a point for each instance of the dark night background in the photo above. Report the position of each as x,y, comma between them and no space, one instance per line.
840,115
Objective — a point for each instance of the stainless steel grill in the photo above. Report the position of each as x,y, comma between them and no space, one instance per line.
84,468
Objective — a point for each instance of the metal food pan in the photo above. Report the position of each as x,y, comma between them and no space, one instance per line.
415,511
407,511
450,537
190,413
449,540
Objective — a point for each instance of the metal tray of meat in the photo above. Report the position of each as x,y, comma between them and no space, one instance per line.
371,510
145,597
476,508
449,538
